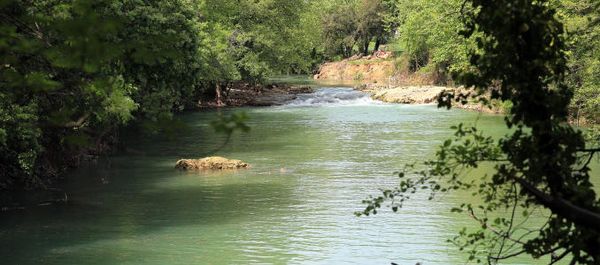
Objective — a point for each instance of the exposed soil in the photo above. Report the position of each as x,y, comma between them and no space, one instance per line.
380,78
376,67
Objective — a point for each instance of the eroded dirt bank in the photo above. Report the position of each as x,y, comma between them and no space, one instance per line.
373,68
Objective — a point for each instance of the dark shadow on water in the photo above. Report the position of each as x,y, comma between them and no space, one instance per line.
30,236
200,138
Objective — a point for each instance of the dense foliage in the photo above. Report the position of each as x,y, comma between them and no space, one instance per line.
75,71
521,57
349,27
582,21
424,35
57,88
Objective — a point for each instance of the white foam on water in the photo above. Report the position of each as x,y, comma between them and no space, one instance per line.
333,97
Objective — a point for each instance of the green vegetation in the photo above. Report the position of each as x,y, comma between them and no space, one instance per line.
75,72
582,21
348,27
543,162
424,36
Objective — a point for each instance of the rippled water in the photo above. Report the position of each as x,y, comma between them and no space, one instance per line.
333,97
313,161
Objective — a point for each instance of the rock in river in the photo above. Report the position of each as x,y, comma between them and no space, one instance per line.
214,162
408,94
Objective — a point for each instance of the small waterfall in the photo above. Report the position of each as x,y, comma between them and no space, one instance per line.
334,97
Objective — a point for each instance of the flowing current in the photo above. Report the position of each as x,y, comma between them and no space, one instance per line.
333,97
313,161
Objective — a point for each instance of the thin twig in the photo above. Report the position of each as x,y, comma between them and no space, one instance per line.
512,219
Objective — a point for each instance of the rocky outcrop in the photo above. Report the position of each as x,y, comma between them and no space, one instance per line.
424,95
212,163
408,94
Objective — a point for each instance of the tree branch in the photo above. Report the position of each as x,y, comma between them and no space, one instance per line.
563,207
78,123
560,257
512,219
590,150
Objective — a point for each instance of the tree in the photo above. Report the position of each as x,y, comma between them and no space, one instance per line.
264,35
76,71
428,36
346,24
340,31
55,85
582,21
544,161
162,58
370,23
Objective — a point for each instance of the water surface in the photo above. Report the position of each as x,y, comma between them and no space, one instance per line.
313,161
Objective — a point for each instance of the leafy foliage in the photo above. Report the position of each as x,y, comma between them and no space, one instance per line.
75,71
428,35
582,21
521,57
54,78
349,27
264,37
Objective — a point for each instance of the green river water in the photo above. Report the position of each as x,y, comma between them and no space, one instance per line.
314,160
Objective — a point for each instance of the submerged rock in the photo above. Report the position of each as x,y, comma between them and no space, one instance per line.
214,162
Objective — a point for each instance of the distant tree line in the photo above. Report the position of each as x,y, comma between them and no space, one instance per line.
426,37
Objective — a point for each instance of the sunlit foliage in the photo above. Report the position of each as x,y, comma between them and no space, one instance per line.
74,72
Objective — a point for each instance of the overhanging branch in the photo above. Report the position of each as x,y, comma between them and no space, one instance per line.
563,207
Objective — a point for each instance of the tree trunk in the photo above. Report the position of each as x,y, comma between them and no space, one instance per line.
377,44
219,96
347,51
366,46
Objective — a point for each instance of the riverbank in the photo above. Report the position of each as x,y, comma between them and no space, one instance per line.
427,94
244,94
378,75
372,68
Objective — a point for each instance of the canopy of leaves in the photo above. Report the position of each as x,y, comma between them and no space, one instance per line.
428,34
582,21
75,71
349,26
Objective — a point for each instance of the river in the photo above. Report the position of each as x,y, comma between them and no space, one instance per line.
313,159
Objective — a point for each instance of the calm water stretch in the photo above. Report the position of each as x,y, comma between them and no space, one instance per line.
314,160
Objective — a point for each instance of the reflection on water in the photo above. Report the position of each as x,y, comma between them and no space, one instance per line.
313,161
